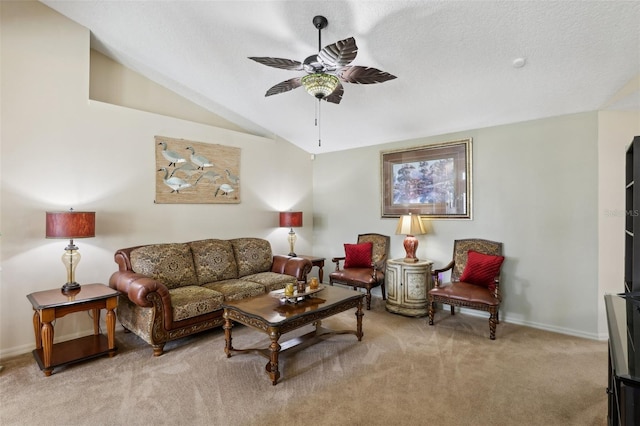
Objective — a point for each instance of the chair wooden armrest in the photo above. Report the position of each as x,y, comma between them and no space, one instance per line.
435,273
496,290
337,260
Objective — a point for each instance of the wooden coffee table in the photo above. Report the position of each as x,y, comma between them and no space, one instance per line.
276,317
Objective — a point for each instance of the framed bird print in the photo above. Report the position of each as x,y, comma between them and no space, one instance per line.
189,172
432,181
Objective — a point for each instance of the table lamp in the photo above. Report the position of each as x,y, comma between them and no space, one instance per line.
410,225
71,224
291,220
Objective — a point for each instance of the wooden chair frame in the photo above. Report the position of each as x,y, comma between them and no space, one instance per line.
457,264
379,258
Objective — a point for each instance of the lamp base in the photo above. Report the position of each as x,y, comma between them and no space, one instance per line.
410,247
69,287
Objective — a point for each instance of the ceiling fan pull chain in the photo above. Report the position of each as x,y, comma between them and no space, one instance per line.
318,123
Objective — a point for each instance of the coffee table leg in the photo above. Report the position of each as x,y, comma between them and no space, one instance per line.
274,349
228,324
359,316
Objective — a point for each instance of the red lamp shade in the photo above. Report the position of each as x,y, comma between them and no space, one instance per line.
71,224
290,219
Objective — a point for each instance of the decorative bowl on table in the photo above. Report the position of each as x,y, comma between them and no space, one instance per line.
297,296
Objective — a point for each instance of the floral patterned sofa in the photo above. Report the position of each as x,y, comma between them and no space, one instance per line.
169,291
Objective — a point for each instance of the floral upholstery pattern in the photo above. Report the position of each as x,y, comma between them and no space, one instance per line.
169,291
214,260
172,264
136,319
253,255
192,300
236,289
380,249
271,280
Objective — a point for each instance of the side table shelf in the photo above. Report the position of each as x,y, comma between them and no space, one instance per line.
407,287
51,304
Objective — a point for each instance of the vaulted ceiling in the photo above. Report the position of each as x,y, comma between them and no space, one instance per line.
459,64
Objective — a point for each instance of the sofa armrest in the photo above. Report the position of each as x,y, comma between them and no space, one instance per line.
294,266
123,258
137,287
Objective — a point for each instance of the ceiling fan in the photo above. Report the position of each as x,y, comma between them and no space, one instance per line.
326,70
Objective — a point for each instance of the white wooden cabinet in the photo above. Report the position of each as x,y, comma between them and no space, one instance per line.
407,285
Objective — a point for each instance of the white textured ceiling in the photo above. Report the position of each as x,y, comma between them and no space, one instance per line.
453,60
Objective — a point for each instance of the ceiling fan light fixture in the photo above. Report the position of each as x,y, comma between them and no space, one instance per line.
320,85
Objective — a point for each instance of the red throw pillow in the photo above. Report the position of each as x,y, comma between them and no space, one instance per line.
358,255
481,269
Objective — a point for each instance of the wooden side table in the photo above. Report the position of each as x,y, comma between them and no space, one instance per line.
51,304
407,287
316,261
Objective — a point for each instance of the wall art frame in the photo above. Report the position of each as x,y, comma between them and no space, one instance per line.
434,181
189,172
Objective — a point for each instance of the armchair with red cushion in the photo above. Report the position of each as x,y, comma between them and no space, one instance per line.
475,280
364,264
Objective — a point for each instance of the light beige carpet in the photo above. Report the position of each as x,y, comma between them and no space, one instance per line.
404,372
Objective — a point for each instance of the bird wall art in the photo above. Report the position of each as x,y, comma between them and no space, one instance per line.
189,172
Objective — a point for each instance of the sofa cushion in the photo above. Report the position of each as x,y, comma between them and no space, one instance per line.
214,260
236,289
171,264
270,280
192,300
253,255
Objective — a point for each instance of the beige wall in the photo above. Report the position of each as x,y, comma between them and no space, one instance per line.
61,150
535,188
114,84
545,188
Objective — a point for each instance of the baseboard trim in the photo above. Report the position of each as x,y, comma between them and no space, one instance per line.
546,327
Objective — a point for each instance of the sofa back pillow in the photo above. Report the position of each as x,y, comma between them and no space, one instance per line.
214,260
171,264
253,255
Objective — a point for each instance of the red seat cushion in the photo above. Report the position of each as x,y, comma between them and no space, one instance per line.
358,255
481,269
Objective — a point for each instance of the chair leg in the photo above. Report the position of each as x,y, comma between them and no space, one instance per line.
497,317
492,325
384,291
368,299
453,311
432,307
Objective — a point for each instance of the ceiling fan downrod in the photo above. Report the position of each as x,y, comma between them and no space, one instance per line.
320,22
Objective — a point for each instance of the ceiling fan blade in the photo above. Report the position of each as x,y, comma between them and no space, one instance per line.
363,75
285,64
338,54
336,96
284,86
